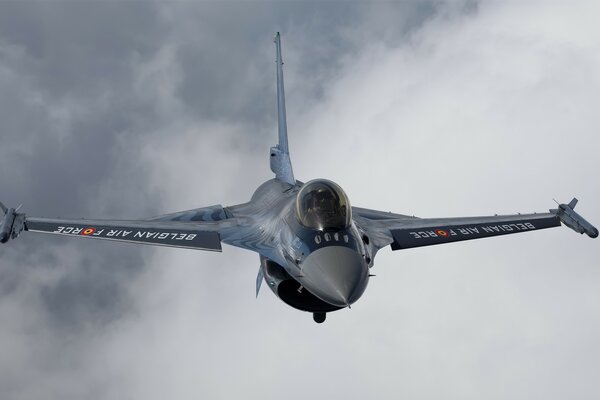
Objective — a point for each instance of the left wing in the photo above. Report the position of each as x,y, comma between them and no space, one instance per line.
428,232
403,232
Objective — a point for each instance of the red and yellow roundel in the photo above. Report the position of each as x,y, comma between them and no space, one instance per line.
88,231
441,232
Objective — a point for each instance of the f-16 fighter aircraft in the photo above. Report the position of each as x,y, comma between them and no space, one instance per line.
315,249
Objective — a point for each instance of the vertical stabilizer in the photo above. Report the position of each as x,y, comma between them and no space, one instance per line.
281,164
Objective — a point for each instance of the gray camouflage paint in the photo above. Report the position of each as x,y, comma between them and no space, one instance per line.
333,267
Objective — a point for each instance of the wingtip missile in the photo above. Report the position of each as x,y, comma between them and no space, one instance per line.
12,223
568,216
6,226
573,203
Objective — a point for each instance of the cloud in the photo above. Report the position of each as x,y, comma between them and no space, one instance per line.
126,110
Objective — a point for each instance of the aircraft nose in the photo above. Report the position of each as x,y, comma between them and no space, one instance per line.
335,274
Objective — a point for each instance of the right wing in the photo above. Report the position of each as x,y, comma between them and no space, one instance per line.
161,233
195,229
201,228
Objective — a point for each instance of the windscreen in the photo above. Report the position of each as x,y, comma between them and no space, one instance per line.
322,204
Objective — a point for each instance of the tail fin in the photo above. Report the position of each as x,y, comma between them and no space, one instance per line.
281,164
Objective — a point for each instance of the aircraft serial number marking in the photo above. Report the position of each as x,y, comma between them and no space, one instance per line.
472,230
122,233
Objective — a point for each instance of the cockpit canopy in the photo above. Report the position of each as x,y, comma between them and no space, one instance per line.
322,204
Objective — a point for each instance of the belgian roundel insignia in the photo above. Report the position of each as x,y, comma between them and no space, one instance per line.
88,231
441,232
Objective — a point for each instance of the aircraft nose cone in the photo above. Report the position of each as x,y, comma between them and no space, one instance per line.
335,274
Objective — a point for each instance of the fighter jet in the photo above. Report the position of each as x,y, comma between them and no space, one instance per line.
315,249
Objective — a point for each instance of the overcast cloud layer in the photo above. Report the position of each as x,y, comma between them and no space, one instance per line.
126,109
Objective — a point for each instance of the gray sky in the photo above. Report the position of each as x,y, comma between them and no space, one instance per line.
126,109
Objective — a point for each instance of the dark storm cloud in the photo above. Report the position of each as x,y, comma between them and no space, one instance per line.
66,76
67,94
226,54
75,48
66,71
218,40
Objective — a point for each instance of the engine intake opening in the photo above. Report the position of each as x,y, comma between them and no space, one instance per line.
302,299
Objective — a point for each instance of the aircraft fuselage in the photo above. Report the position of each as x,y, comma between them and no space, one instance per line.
310,269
